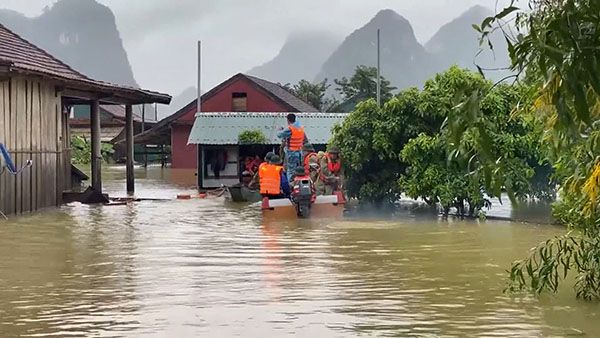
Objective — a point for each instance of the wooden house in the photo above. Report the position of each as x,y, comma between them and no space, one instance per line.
36,93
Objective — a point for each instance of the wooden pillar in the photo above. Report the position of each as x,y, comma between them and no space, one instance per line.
130,149
96,146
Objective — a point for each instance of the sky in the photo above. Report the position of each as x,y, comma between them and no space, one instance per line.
160,36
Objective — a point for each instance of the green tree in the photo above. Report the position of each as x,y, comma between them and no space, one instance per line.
556,42
370,140
315,94
363,84
81,150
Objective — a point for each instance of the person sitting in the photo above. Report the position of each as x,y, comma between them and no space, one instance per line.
256,179
246,178
331,175
272,178
311,161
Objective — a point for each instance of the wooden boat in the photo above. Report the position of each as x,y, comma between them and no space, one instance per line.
241,193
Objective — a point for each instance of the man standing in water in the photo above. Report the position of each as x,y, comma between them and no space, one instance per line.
295,138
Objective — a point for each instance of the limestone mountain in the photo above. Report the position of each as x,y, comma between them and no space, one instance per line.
403,60
300,58
81,33
458,43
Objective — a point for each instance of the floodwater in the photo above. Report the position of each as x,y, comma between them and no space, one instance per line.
210,268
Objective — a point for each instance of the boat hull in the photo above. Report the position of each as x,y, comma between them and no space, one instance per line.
332,206
243,194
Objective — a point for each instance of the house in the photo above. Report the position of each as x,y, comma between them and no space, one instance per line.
217,136
36,93
112,126
112,121
242,102
240,93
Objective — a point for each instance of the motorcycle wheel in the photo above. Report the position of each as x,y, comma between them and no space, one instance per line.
304,210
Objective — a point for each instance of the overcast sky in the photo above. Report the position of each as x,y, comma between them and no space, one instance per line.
160,35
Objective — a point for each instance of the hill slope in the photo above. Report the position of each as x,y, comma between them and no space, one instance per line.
403,60
458,43
81,33
300,58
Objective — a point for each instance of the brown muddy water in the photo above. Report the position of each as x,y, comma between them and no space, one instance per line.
212,268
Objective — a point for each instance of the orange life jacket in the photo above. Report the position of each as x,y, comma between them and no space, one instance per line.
334,167
296,141
270,179
307,161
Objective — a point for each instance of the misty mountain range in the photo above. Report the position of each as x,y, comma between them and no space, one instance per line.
404,61
83,34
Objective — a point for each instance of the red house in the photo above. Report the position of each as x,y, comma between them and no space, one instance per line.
240,93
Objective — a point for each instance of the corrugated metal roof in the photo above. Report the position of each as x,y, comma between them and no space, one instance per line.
224,128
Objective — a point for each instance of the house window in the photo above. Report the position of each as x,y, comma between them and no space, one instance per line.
238,102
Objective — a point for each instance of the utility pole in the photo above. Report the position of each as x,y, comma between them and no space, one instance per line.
144,129
199,149
378,72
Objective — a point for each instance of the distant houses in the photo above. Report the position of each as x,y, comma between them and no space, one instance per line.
36,93
206,143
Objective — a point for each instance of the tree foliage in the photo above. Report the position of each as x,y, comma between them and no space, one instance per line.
363,84
399,148
81,150
252,136
314,94
556,44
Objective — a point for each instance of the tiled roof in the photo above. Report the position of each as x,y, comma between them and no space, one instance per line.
118,111
224,128
21,55
281,93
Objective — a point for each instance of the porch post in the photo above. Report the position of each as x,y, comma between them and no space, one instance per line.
96,146
130,150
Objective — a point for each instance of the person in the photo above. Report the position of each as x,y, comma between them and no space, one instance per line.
273,180
295,138
246,178
256,179
331,174
311,162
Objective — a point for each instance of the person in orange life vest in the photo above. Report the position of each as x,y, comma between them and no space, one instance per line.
301,175
295,138
311,161
256,179
273,181
331,176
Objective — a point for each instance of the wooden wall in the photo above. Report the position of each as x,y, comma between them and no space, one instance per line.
32,127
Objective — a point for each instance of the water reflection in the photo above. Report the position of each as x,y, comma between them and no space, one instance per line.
212,268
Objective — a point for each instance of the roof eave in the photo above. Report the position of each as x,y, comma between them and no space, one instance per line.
99,91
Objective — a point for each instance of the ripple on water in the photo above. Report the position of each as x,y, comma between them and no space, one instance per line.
212,268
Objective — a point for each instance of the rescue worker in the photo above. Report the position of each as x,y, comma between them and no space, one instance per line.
256,179
272,179
331,174
311,162
295,138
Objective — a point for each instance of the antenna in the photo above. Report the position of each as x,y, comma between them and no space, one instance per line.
199,104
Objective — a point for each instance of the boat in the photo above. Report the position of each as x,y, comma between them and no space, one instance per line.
241,193
324,206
